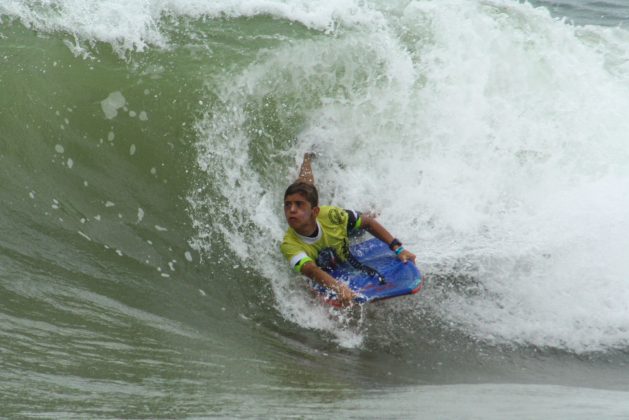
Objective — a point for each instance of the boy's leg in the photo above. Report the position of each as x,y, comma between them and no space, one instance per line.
305,172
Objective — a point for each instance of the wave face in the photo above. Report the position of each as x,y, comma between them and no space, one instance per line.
145,148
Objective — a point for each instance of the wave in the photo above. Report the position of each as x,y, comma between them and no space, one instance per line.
506,156
488,135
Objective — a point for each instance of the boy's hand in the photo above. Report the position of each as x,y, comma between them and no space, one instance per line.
345,295
406,256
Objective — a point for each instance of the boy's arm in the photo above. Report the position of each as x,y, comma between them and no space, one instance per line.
372,226
344,293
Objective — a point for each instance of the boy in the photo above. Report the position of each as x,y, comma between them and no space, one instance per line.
313,229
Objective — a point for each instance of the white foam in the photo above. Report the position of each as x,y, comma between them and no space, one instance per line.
111,104
84,235
536,174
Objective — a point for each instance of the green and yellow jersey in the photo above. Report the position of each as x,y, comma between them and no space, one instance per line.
334,227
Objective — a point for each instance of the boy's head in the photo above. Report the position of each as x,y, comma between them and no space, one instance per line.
308,191
301,207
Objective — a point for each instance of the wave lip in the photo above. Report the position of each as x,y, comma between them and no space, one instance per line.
136,26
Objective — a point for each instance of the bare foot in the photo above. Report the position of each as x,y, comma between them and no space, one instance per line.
310,156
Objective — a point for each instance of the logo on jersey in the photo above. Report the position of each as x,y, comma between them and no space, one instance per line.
336,216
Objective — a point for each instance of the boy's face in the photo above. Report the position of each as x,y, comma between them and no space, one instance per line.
300,214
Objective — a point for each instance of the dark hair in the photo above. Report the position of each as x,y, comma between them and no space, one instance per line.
306,189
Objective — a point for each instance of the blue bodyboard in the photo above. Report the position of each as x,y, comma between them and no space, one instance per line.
400,279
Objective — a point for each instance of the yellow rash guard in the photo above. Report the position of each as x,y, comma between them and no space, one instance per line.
334,225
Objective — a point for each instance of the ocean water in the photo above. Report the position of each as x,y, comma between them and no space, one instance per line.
144,151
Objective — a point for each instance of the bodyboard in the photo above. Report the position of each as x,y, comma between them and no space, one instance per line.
400,279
